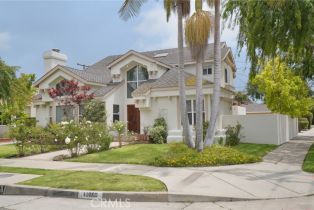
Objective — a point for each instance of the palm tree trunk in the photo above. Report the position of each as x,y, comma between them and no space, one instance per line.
199,106
184,117
209,139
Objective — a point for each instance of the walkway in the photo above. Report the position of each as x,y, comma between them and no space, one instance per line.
277,177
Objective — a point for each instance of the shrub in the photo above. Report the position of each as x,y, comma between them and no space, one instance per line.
40,137
119,127
233,135
179,155
21,134
309,117
303,123
97,137
205,127
95,111
156,135
87,135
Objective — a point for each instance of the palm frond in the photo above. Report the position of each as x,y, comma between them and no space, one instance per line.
186,7
130,8
197,31
169,6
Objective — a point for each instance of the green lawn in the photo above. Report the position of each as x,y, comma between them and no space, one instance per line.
131,154
7,151
308,164
259,150
88,180
147,153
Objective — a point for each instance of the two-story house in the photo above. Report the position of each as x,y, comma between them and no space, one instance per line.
137,87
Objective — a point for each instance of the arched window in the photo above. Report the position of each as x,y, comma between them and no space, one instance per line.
135,77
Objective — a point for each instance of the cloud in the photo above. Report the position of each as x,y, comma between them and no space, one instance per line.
153,30
4,41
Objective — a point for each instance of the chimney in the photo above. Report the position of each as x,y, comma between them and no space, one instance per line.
53,58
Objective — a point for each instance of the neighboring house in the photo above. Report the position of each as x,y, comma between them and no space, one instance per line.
256,108
137,87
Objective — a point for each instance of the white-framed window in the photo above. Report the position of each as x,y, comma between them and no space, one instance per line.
135,77
226,76
191,111
207,71
116,113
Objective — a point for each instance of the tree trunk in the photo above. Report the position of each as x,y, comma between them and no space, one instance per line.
209,139
199,106
184,117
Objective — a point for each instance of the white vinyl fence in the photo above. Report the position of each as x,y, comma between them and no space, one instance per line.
264,128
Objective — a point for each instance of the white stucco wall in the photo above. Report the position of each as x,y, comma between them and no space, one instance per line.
263,128
116,97
190,68
42,115
166,107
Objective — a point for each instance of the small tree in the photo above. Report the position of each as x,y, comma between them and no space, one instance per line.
68,92
284,92
241,98
119,127
95,111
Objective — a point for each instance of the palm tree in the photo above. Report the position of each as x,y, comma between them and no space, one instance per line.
197,31
130,8
209,139
182,7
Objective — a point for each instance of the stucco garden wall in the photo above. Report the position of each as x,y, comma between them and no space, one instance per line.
263,128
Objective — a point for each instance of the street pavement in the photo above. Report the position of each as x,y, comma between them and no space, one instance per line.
48,203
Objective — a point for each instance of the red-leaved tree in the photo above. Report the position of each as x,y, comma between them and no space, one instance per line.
68,93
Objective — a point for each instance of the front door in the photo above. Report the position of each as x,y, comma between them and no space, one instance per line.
133,119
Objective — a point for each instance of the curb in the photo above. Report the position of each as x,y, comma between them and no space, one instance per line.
112,195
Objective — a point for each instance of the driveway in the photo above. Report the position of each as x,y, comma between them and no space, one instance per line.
279,176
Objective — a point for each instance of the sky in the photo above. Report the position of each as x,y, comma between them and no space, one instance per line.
87,31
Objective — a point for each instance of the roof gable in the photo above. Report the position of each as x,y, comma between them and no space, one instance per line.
79,75
143,56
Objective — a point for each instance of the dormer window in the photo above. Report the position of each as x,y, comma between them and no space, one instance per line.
135,77
207,71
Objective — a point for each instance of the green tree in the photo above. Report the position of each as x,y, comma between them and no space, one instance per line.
273,28
241,98
7,75
197,31
21,93
95,111
284,92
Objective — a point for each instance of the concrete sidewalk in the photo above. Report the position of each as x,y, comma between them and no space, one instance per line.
269,179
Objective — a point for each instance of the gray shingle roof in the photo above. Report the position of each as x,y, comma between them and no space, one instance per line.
99,72
256,108
106,89
167,80
88,76
172,57
100,68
